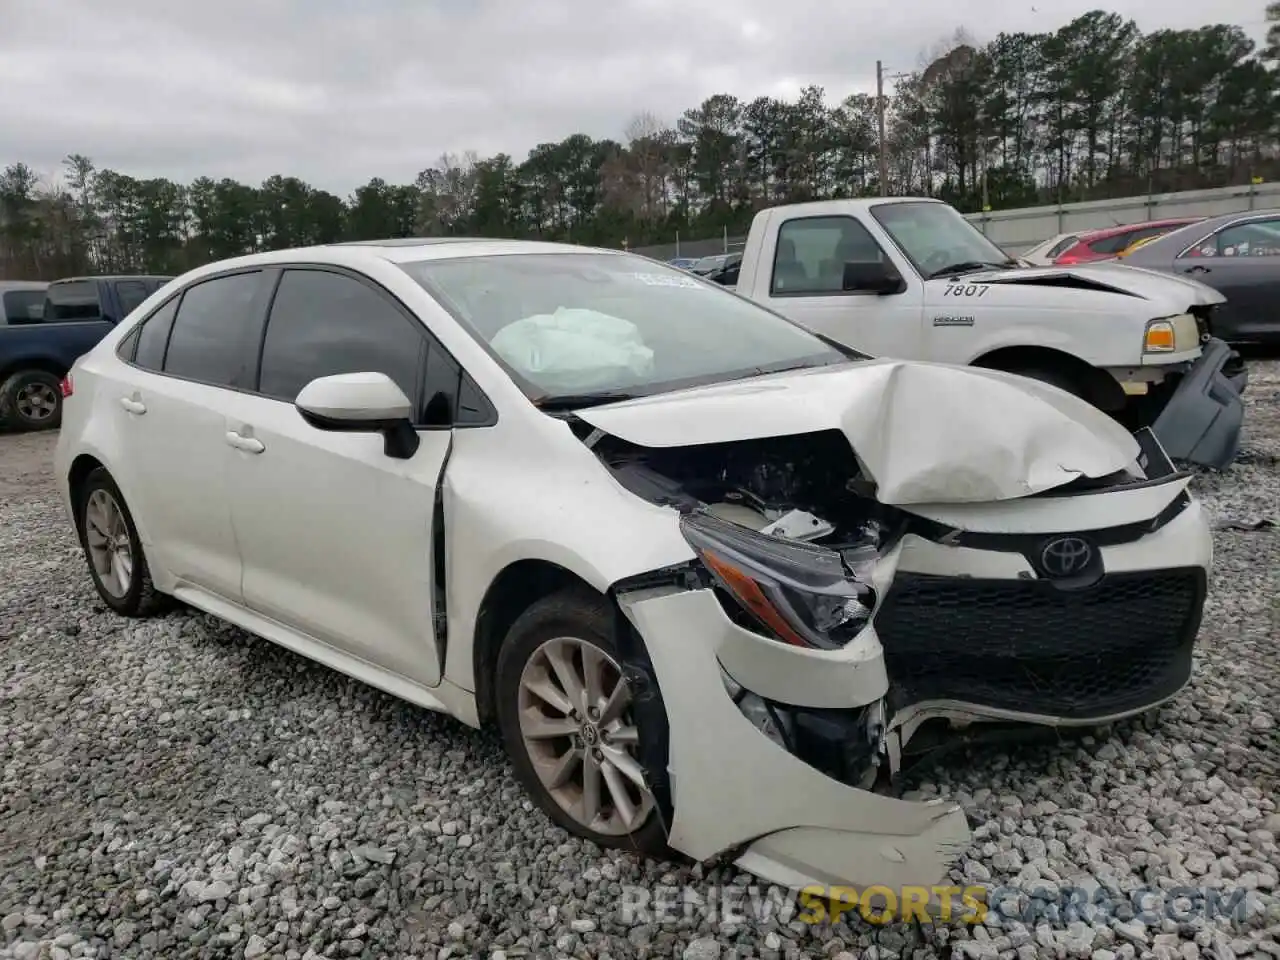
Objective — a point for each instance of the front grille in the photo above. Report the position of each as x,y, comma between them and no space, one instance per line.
1027,645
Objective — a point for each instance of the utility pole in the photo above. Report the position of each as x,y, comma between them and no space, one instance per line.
884,147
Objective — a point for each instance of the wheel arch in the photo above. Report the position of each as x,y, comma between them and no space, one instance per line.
516,588
1097,386
38,362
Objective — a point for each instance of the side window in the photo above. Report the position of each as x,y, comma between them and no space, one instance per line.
1113,244
1257,238
210,338
153,336
812,253
326,323
21,306
131,293
1061,246
76,300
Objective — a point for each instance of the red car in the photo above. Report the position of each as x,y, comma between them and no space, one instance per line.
1107,244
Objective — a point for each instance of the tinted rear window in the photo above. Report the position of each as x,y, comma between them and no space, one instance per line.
77,300
22,306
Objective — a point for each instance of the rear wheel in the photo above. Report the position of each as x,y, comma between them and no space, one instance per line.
113,549
31,400
565,713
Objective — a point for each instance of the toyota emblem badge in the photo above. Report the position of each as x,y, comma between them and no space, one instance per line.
1066,557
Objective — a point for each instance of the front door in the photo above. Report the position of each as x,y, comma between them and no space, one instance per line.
807,285
335,536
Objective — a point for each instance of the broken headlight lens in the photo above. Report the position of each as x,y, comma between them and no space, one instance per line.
802,593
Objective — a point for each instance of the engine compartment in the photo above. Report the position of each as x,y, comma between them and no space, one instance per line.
805,487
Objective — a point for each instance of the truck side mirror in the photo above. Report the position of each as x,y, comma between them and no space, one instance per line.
872,276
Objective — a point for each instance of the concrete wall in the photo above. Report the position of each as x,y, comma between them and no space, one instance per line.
1019,230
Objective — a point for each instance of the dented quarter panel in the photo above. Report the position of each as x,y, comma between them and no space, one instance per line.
720,757
976,436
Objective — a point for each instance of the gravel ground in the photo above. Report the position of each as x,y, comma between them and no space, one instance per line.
177,788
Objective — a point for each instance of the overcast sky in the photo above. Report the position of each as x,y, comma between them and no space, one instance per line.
338,91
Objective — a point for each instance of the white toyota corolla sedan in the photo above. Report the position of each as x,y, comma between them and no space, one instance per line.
709,574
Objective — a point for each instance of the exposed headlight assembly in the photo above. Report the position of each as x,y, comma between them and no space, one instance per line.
803,594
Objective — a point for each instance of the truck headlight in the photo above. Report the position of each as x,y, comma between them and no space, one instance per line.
1160,337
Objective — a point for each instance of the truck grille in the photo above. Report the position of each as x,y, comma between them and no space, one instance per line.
1028,646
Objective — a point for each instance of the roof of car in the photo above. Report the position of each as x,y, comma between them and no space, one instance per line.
1104,232
115,276
1175,241
6,285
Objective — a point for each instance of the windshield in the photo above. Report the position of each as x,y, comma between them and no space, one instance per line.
598,323
936,238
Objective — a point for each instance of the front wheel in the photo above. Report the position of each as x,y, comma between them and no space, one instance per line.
113,549
565,712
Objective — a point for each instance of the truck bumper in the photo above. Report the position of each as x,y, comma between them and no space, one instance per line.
1201,421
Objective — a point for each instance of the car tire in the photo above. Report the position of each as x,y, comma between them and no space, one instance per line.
113,549
573,631
31,400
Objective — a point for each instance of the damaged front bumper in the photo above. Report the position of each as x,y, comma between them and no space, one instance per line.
1200,422
740,794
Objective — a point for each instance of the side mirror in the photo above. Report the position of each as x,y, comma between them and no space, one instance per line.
872,276
361,403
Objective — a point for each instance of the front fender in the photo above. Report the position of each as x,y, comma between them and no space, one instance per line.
506,499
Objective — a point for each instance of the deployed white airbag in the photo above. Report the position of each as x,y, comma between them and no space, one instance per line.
924,432
573,350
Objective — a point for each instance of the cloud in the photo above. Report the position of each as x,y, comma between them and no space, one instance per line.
338,91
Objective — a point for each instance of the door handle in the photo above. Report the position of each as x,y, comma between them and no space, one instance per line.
247,444
1197,269
133,406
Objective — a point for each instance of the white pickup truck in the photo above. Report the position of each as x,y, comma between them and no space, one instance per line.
913,279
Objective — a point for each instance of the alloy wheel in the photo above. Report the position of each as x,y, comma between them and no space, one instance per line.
579,735
37,402
107,536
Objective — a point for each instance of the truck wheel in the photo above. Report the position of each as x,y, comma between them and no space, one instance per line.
31,400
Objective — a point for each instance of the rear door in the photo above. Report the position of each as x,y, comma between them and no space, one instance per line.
190,358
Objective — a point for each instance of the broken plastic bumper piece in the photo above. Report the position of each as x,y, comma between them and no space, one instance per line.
1201,423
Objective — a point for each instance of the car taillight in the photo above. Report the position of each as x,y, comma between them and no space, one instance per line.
68,387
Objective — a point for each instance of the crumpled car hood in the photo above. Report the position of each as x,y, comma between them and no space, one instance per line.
924,432
1177,293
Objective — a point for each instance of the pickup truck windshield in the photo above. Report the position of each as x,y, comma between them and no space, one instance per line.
937,239
597,327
